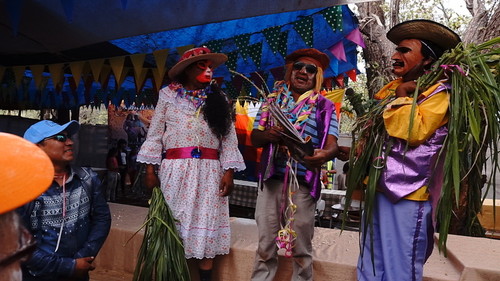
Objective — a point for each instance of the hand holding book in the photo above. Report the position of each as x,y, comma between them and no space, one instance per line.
298,146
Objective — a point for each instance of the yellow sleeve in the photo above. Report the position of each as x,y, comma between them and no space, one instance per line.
429,116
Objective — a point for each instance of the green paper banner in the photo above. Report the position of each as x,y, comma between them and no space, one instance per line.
304,28
255,52
333,16
243,43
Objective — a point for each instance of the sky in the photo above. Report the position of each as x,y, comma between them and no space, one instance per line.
457,5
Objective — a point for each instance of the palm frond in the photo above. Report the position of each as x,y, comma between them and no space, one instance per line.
161,256
472,141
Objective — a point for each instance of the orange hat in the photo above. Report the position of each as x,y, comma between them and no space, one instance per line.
25,172
320,57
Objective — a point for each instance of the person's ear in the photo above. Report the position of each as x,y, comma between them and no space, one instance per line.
427,62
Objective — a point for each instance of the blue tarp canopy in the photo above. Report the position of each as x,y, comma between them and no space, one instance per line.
253,45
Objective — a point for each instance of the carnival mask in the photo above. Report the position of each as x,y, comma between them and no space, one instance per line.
206,75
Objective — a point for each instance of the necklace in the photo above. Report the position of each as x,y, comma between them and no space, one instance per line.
297,112
63,212
197,97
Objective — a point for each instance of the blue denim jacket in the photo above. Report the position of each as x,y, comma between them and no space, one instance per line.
87,221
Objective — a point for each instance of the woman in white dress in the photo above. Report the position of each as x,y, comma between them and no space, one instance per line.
193,140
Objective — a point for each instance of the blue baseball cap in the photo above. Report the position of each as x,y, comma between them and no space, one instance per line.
46,128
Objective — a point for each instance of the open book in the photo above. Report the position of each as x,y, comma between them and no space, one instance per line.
298,146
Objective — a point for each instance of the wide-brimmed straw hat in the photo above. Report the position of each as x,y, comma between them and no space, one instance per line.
194,55
25,172
424,30
321,57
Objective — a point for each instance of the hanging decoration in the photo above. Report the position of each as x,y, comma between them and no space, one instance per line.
96,67
117,64
278,73
232,58
338,51
161,60
259,78
304,28
104,76
215,45
56,72
182,49
264,58
243,43
276,39
157,78
76,68
352,74
356,37
333,16
255,52
230,90
139,70
18,74
37,72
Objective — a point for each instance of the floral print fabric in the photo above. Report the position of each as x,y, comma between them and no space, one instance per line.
191,186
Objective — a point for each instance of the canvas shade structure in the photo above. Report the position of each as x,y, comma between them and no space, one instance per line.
117,70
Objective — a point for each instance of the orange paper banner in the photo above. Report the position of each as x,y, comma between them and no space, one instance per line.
158,78
123,75
96,67
76,69
139,80
181,50
161,60
117,64
138,63
104,76
57,75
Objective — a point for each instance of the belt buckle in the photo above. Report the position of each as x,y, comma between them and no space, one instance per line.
196,153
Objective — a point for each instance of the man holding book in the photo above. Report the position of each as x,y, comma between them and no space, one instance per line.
298,129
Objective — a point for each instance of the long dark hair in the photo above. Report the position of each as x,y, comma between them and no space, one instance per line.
217,111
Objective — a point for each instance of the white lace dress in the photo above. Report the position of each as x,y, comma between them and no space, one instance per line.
191,186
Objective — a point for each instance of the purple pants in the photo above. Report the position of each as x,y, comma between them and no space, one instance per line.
402,241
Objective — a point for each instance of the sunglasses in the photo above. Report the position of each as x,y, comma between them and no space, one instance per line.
23,253
310,68
59,137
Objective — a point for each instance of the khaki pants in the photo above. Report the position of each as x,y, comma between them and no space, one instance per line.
267,216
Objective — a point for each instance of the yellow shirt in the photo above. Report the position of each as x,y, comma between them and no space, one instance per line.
428,116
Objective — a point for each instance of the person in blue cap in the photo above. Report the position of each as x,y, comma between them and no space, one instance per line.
71,220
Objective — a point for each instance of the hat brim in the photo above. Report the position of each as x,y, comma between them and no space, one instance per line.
424,30
25,172
71,127
35,136
216,59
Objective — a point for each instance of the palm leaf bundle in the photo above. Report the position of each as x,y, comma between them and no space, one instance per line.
161,256
472,141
